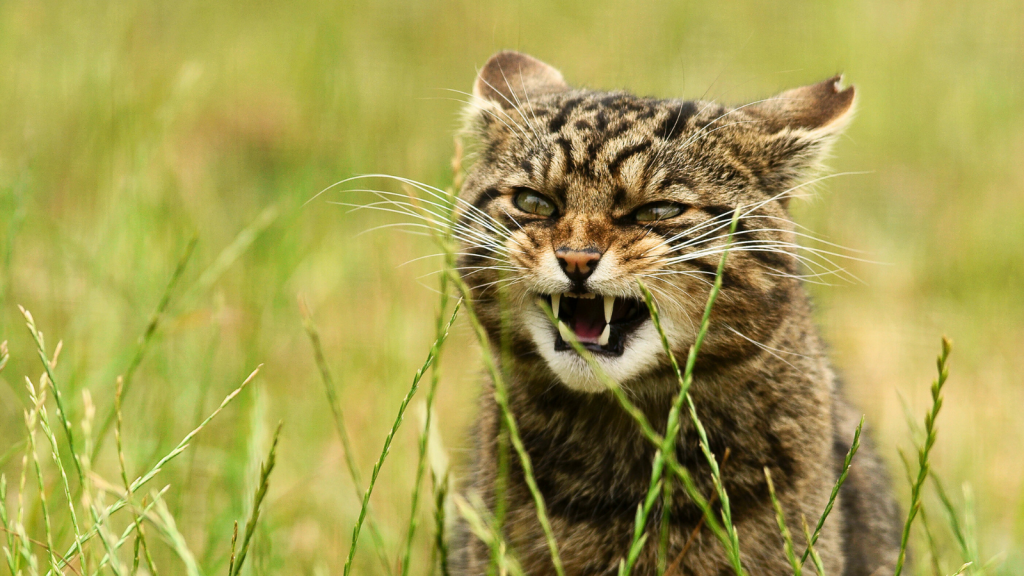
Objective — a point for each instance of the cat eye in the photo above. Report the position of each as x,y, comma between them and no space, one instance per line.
656,211
533,202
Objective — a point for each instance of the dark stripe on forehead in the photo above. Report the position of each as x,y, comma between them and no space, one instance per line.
527,166
566,146
625,154
560,119
674,123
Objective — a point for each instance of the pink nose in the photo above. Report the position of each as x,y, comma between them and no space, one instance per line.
578,265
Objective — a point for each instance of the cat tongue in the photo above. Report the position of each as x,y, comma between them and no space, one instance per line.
588,322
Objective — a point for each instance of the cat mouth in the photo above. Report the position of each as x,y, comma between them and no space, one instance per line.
601,324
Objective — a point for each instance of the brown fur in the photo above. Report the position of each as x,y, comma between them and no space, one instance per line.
763,386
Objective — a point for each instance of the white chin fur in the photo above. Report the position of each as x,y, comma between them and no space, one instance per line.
640,354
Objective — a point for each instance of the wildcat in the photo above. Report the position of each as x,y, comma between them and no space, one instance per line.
575,195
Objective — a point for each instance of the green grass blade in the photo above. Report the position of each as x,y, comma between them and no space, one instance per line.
815,558
62,414
254,515
780,519
847,462
925,451
424,439
339,425
144,340
391,434
501,398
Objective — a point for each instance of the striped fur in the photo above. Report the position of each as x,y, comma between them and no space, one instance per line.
764,387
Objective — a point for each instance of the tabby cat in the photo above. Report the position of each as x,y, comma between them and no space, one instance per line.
575,195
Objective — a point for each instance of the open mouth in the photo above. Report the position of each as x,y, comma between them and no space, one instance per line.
601,324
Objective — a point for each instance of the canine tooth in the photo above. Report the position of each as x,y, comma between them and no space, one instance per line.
555,300
564,331
605,335
609,305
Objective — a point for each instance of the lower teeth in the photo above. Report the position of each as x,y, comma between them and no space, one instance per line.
605,335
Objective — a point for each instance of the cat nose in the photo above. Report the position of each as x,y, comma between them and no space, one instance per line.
578,265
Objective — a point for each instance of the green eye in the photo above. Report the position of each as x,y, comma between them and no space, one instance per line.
656,211
533,203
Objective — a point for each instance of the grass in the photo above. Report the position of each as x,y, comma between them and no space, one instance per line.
132,128
664,468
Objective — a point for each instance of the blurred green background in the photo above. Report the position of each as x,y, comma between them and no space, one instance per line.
128,127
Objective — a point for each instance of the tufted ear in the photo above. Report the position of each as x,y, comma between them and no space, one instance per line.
508,78
818,107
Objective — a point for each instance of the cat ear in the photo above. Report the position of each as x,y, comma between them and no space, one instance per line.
821,108
509,78
797,129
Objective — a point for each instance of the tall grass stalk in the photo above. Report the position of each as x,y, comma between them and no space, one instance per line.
726,534
685,378
815,558
434,350
54,452
651,435
475,513
925,451
339,425
143,511
139,482
642,512
62,414
140,535
847,462
780,519
31,421
266,468
424,439
501,399
143,344
440,542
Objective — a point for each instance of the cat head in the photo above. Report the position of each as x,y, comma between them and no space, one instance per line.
577,194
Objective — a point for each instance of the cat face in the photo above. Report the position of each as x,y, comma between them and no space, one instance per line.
576,195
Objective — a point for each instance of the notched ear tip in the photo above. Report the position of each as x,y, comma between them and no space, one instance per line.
833,101
509,77
818,106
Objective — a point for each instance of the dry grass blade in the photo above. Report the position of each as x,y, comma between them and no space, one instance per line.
62,414
434,349
174,453
780,518
254,515
815,558
234,543
483,528
31,421
140,536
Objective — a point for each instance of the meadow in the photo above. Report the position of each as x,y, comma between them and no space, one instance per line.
156,160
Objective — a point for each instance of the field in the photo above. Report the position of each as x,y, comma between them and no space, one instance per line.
130,130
